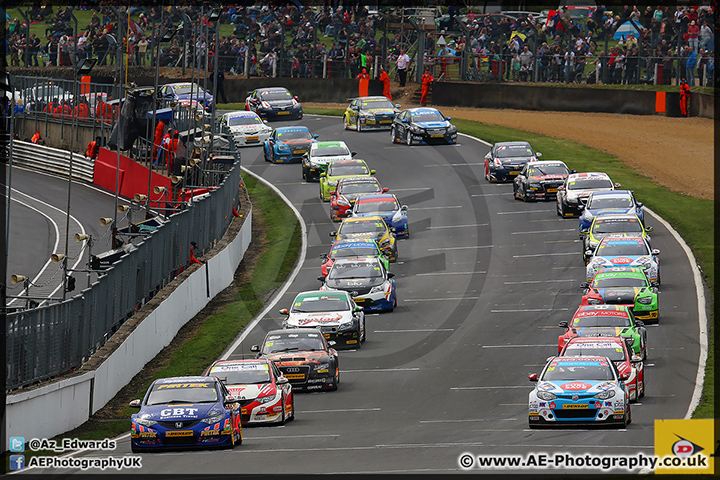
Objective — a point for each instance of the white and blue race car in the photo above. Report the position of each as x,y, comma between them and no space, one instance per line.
420,126
610,202
579,390
246,128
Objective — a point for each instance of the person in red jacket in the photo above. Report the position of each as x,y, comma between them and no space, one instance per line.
93,149
364,83
159,129
385,79
427,79
684,97
36,138
173,151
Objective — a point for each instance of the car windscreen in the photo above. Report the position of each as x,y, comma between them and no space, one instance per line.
182,392
364,187
330,152
275,95
370,104
276,343
616,225
614,352
547,170
426,117
339,170
347,270
587,184
600,321
242,373
514,151
185,90
578,372
615,248
619,282
296,135
361,227
320,303
606,201
354,251
371,207
244,121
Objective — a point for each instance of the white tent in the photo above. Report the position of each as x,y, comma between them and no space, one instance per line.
625,28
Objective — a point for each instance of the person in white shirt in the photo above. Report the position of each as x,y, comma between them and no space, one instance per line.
402,62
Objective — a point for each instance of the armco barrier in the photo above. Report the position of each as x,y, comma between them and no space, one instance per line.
51,160
29,413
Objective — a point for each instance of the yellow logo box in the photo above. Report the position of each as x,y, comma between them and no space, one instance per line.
685,446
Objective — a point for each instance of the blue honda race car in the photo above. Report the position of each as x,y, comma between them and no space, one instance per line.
579,390
420,126
178,92
610,202
388,207
288,144
185,412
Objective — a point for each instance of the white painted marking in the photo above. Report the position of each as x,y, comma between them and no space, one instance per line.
436,208
373,370
517,346
491,388
246,437
439,299
523,211
544,254
447,273
470,420
415,330
540,281
489,194
529,310
459,248
343,410
544,231
460,226
411,188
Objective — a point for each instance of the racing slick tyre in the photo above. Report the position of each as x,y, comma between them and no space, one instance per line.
292,408
560,209
134,449
364,333
516,194
265,155
628,417
408,138
304,174
345,123
487,173
336,380
642,392
282,416
393,135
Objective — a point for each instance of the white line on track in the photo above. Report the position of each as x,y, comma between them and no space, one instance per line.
490,388
459,248
411,189
518,346
272,437
373,370
439,299
539,281
532,232
489,194
528,310
437,208
447,273
459,226
543,254
456,165
412,330
343,410
470,420
522,211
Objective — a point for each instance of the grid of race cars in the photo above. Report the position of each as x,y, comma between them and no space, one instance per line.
599,369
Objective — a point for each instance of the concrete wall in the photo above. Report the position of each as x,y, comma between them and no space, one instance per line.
33,413
570,99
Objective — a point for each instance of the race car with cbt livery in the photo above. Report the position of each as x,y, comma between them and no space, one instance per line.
185,412
610,202
303,356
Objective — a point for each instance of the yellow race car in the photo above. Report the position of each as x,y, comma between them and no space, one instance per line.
373,227
369,113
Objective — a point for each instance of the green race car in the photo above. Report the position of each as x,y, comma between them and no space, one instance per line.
340,169
625,286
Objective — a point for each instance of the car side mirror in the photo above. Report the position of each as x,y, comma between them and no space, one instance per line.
332,234
538,154
136,403
573,170
404,208
316,136
333,192
385,189
561,188
618,185
358,308
255,348
372,172
563,324
323,175
282,380
448,118
588,253
624,376
649,229
655,284
390,275
404,120
584,285
397,105
639,204
639,323
581,207
321,278
296,98
533,377
324,256
332,343
284,311
636,358
229,399
655,252
393,229
352,154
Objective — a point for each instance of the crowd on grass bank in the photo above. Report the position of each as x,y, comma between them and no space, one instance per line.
293,41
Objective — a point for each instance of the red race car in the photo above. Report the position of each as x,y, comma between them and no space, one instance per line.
348,190
617,350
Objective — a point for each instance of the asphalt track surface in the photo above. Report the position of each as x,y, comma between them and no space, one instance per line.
482,281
